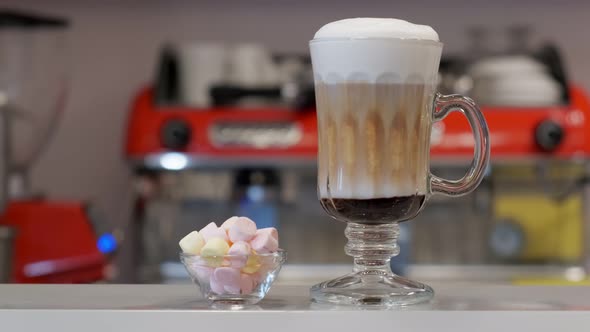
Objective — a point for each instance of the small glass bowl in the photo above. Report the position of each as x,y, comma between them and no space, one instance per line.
256,274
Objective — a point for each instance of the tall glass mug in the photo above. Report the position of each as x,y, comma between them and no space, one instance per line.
376,103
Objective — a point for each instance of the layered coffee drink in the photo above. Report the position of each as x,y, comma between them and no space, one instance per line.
373,150
375,82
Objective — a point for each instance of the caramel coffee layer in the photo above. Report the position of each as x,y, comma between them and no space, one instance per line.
374,139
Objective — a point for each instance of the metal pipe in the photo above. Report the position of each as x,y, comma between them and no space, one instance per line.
6,242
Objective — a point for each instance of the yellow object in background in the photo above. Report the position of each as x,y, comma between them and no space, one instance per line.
549,282
553,229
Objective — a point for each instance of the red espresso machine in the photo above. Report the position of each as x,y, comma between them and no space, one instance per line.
154,133
41,240
168,138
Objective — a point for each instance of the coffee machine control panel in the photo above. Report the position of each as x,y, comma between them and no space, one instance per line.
255,135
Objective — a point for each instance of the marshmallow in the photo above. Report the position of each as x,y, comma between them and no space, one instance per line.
214,250
271,231
192,243
246,283
243,229
265,241
216,286
240,250
212,231
259,277
229,223
203,272
215,247
226,258
232,289
229,278
252,264
207,229
227,275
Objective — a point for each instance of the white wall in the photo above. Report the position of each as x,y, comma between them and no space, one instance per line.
114,46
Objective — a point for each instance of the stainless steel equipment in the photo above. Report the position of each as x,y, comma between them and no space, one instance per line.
32,91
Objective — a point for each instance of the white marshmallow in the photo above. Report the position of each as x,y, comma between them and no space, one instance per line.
192,243
215,247
229,223
212,231
213,251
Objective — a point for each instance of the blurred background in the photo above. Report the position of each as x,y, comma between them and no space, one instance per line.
126,124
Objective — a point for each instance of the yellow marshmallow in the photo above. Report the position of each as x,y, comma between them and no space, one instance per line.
214,250
192,243
252,264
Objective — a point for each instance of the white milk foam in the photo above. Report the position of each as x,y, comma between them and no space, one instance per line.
375,28
375,49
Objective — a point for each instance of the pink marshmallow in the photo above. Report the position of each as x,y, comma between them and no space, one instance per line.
227,275
265,241
203,272
243,229
229,223
240,250
216,286
259,277
271,231
246,283
232,289
228,278
211,230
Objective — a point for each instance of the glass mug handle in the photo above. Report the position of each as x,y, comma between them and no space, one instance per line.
457,103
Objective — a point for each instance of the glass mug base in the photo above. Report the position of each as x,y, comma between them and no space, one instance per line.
371,288
372,282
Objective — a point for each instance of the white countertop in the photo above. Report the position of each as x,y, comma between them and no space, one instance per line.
145,308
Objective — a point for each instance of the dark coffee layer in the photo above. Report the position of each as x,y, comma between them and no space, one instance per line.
374,211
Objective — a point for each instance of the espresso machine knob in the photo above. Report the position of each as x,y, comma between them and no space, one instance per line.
549,135
175,134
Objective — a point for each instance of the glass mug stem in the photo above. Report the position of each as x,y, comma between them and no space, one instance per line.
481,155
372,246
